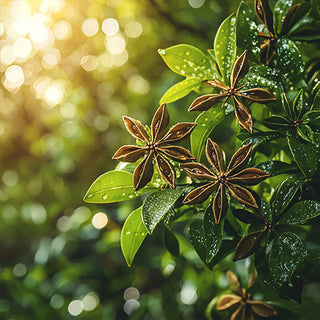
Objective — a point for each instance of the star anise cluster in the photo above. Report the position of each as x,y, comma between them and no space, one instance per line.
240,303
220,179
157,149
234,92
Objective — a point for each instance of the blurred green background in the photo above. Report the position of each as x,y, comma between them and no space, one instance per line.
69,70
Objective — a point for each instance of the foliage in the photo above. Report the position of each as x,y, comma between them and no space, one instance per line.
68,74
207,202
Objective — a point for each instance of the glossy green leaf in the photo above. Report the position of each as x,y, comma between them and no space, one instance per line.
290,62
260,137
276,122
316,99
312,118
280,10
213,234
304,153
113,186
305,132
274,167
287,253
285,193
157,205
171,242
133,234
187,61
225,47
287,107
261,76
301,212
299,104
206,122
247,32
181,89
197,237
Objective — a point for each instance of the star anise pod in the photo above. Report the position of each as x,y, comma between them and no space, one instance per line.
231,179
250,243
157,148
264,13
240,304
243,114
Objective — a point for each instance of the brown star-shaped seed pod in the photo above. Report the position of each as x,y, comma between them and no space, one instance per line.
240,304
157,148
243,114
250,243
264,14
220,179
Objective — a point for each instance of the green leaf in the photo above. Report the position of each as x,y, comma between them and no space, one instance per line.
287,107
171,242
261,137
305,132
305,154
187,61
312,118
213,234
276,122
225,47
261,76
157,205
133,234
298,104
247,32
206,122
285,193
197,237
280,10
113,186
274,167
290,62
287,254
181,89
301,212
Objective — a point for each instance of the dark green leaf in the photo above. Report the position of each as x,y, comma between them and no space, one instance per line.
301,212
276,122
247,32
261,76
290,62
298,104
261,137
171,242
113,186
213,234
312,118
280,10
305,132
181,89
285,193
274,167
287,254
187,61
206,122
197,237
133,234
157,205
225,48
304,153
287,107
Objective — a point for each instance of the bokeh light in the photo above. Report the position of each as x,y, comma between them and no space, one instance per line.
14,77
53,94
62,30
90,27
110,26
22,48
115,44
100,220
133,29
